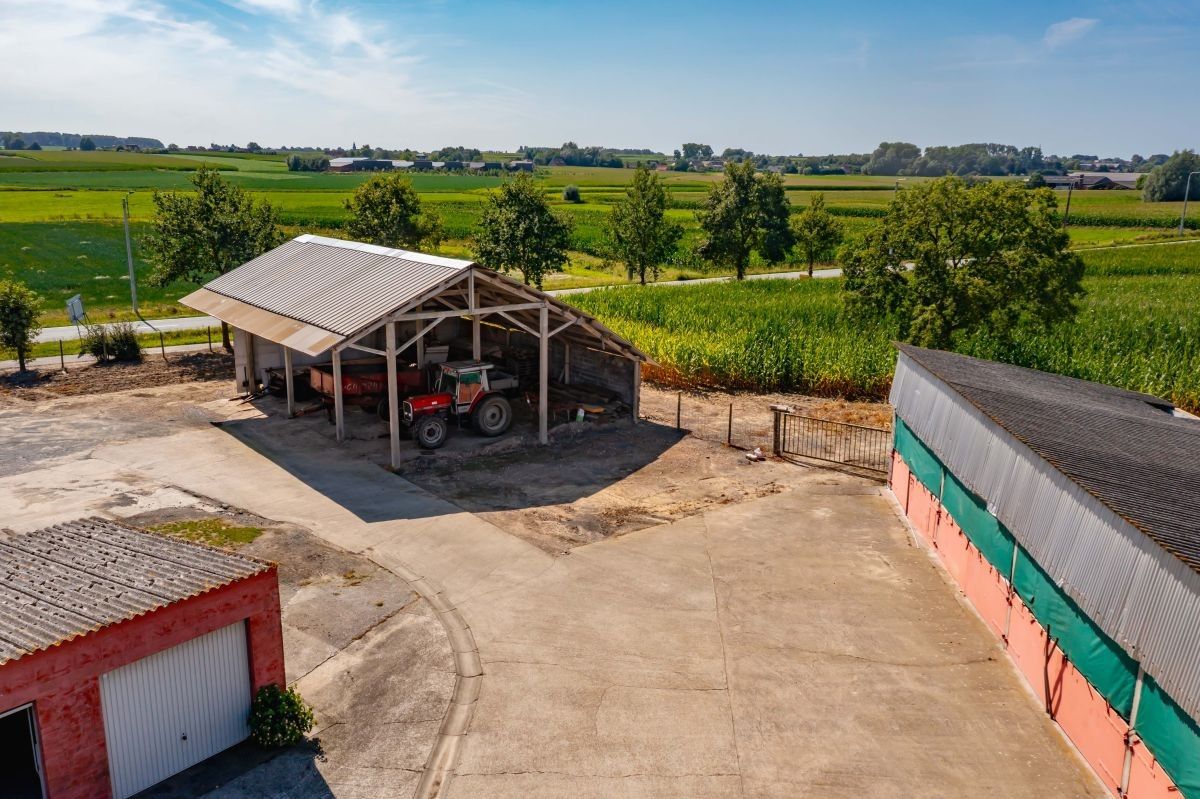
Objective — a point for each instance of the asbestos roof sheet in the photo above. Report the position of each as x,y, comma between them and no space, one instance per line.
74,578
338,286
1134,452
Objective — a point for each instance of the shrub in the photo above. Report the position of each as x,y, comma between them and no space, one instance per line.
115,342
279,717
571,194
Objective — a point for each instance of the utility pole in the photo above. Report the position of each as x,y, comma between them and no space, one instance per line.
129,263
1186,191
1067,215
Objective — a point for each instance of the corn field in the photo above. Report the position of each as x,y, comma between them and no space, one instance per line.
1140,332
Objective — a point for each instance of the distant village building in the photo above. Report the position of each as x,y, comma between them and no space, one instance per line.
359,165
1094,180
521,166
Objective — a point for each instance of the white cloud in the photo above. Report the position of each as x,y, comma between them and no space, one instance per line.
1067,31
306,74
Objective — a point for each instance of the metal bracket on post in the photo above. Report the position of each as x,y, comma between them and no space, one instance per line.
1132,737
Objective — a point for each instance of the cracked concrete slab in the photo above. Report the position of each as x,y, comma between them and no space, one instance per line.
796,644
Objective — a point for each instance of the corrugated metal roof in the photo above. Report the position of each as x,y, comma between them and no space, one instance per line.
313,292
64,581
1126,449
339,286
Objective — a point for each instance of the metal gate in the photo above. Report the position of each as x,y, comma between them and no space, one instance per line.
172,709
854,445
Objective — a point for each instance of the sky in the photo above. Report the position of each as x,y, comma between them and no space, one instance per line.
1104,78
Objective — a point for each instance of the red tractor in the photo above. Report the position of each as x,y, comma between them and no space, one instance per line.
467,391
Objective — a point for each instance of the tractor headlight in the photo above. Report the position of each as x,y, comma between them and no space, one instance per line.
407,410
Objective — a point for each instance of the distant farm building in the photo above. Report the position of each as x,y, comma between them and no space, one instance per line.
1068,512
1094,180
126,657
520,166
360,165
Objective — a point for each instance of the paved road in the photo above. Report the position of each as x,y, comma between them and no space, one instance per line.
795,645
72,359
71,333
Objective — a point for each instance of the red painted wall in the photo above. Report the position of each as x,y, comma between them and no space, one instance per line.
63,681
1097,731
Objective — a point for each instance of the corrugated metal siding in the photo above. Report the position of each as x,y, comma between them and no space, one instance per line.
72,578
1142,596
199,689
334,285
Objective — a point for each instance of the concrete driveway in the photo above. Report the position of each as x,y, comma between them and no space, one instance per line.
798,644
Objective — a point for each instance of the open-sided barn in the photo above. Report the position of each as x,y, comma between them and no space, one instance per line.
1069,514
314,301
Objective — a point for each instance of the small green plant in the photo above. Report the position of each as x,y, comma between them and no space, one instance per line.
279,717
113,342
571,194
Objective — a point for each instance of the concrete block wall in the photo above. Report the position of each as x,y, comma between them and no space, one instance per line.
63,682
1096,730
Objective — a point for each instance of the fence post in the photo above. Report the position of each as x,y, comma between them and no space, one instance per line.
208,330
104,343
62,357
678,409
162,345
729,430
777,429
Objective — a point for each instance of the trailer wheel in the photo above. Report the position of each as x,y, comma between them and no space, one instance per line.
430,432
493,415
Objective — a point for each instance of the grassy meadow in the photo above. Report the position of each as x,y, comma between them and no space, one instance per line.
60,230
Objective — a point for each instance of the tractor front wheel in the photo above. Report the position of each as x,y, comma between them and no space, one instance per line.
430,432
493,415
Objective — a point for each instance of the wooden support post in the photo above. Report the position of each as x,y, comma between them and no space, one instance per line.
208,330
393,395
544,375
637,390
678,409
729,430
476,340
567,362
162,344
339,405
62,356
289,381
421,341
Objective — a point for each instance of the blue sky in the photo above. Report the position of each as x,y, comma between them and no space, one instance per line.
1111,78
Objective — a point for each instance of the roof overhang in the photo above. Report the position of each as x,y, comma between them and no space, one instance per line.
295,335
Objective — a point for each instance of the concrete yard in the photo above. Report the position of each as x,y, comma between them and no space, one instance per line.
774,632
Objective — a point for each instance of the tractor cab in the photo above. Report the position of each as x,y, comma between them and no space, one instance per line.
470,391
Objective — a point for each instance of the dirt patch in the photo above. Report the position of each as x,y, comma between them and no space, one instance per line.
329,597
94,378
706,414
608,482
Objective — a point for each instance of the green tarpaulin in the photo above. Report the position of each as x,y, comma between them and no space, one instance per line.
1170,734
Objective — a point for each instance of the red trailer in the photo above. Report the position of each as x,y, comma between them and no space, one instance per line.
364,382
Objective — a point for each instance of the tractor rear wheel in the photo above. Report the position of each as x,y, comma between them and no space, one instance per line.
492,416
430,432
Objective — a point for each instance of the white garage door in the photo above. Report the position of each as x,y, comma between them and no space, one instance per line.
174,708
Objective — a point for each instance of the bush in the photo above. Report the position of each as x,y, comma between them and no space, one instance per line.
571,194
279,717
115,342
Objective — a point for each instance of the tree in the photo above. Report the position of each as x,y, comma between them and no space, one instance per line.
1168,181
951,260
20,307
254,147
519,232
818,232
87,144
35,146
695,150
16,143
386,210
198,235
746,212
1036,181
638,231
571,194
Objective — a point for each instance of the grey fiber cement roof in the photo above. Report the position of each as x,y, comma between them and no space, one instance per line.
68,580
1130,451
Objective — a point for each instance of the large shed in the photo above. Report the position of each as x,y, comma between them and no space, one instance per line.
126,657
1069,513
316,300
